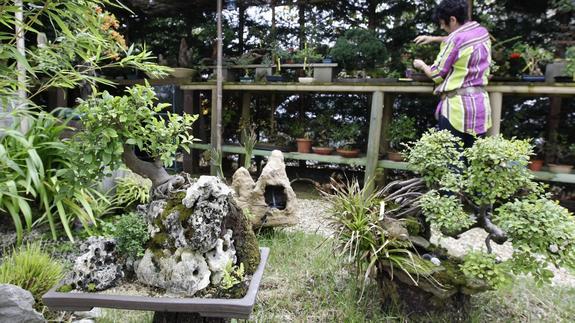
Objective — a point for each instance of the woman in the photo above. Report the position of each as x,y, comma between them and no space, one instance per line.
460,72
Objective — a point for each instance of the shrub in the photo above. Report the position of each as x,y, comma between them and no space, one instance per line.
133,189
131,235
31,268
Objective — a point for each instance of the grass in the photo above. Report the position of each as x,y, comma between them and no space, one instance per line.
305,282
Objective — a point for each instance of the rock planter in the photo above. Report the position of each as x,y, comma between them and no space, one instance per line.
169,308
199,241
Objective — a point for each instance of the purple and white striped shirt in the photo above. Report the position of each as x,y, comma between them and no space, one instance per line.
463,61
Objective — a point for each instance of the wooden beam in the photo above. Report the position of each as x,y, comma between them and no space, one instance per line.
496,100
375,121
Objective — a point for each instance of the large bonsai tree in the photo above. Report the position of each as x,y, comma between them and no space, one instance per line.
486,186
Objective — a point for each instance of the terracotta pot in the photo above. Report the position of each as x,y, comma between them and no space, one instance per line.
394,155
303,145
322,150
348,153
565,169
535,164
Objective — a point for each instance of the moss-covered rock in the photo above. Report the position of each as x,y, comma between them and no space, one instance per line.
247,247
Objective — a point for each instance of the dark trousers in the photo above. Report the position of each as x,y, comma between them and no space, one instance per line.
467,139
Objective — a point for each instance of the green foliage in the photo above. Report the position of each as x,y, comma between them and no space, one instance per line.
232,275
346,134
497,169
249,140
483,266
401,130
82,40
132,189
358,49
31,268
113,123
533,56
540,227
434,155
34,175
496,186
570,57
132,234
363,238
445,212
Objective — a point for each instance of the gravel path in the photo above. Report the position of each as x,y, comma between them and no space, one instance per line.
312,218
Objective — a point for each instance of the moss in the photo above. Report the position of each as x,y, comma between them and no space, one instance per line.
91,287
65,288
413,226
451,273
247,247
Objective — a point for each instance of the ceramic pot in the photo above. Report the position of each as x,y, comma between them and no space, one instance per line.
535,164
322,150
348,153
305,79
564,169
394,155
303,145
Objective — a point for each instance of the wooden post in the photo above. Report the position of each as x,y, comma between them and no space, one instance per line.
552,126
496,100
216,135
375,121
245,119
469,9
388,100
188,103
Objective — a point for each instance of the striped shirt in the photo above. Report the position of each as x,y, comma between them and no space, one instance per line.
463,61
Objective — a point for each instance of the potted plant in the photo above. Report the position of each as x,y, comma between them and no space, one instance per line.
535,59
358,49
308,71
323,142
277,77
300,131
536,161
400,131
242,62
564,157
570,67
345,137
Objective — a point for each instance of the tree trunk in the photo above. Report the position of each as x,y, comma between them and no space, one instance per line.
154,171
301,21
241,25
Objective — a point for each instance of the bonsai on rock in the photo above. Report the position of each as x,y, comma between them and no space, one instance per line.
487,186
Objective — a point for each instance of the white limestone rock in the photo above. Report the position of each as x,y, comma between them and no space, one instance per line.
220,256
183,273
279,208
97,267
16,305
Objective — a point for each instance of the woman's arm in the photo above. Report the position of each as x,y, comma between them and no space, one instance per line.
426,39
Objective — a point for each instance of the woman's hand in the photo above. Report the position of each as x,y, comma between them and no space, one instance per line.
419,64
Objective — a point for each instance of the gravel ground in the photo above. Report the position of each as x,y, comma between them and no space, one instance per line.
312,215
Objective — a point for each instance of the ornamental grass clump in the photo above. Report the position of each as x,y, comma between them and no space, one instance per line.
31,268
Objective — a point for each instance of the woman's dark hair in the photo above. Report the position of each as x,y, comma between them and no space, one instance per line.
451,8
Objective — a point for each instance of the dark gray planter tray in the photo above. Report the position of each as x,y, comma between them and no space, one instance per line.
207,307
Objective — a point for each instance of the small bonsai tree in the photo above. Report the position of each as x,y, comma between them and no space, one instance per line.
358,49
114,126
400,131
533,57
345,135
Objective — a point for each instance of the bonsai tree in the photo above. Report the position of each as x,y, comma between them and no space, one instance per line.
534,57
358,49
401,130
486,186
570,57
345,135
114,126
